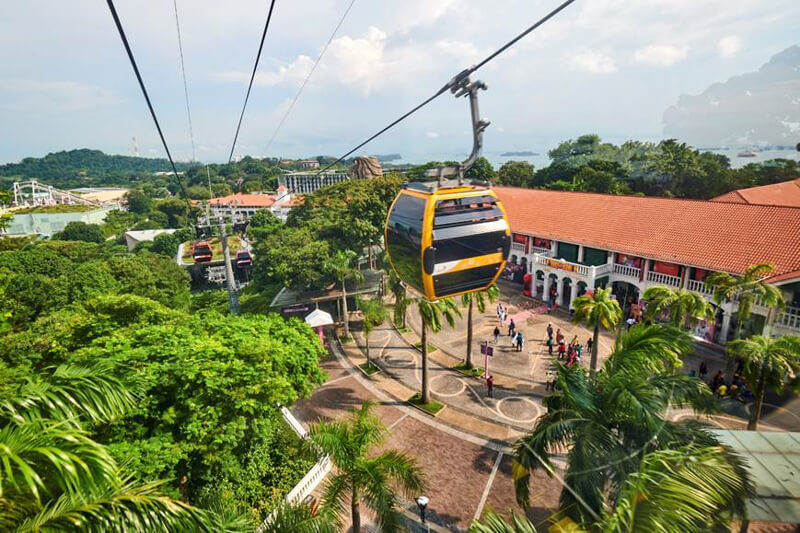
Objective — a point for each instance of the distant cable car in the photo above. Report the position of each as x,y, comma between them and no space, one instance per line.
243,259
201,252
445,241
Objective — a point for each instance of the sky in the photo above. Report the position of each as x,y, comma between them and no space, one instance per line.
609,67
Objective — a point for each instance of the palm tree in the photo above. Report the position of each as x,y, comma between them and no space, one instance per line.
375,314
596,310
360,474
401,299
56,478
768,364
691,489
684,307
431,315
340,266
607,423
747,287
298,517
479,299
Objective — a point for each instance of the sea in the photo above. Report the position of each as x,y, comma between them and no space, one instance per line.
539,158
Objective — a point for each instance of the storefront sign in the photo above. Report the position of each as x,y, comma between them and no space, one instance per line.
561,265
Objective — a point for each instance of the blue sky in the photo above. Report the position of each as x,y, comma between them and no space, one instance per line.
605,66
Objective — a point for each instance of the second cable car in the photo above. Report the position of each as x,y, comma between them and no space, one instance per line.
445,241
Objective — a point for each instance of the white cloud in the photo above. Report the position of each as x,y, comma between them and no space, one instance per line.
594,62
53,96
660,55
432,134
729,46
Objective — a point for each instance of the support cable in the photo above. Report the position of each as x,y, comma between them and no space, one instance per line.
144,92
183,72
457,79
308,77
252,77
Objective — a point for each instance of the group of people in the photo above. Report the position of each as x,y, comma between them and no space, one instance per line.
736,388
569,352
517,338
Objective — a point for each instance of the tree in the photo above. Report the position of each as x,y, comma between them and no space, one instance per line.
340,266
684,307
298,517
291,257
401,299
515,174
610,422
691,489
596,310
431,315
80,231
57,478
482,170
362,475
375,314
479,300
746,288
138,202
768,364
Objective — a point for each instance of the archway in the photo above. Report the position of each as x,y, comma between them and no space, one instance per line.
627,295
566,291
582,288
539,284
552,292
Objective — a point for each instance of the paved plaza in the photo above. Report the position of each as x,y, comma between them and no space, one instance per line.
466,449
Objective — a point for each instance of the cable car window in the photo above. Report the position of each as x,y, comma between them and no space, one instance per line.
469,246
404,238
464,280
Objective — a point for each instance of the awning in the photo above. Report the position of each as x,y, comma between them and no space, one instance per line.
318,317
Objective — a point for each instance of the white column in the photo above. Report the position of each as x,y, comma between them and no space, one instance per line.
685,280
580,253
726,325
546,290
560,289
573,289
554,247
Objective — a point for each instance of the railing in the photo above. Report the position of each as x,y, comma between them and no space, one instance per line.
625,270
790,318
602,270
518,247
565,265
700,286
664,279
547,252
313,477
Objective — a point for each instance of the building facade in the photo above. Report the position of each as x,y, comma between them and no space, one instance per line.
566,243
48,223
308,182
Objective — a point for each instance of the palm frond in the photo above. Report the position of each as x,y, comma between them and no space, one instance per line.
494,523
298,517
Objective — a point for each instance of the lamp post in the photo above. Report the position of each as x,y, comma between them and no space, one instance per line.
422,503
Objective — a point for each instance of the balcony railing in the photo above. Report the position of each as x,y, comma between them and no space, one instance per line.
664,279
517,247
790,318
629,271
699,286
547,252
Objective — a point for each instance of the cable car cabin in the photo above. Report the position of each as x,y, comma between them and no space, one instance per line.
201,252
243,259
445,241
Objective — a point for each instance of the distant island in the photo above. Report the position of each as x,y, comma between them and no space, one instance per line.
518,154
383,158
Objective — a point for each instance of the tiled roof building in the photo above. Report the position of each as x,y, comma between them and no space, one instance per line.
786,193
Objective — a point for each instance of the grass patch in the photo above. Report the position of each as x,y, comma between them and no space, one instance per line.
432,407
473,372
345,340
403,329
431,347
369,368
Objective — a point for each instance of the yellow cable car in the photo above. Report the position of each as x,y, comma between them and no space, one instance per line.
447,240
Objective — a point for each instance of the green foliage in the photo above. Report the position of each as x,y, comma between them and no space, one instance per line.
168,243
610,421
597,310
482,170
178,212
138,202
683,307
58,208
515,174
80,231
361,474
291,257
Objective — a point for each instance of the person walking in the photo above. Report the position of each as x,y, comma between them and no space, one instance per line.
520,341
496,334
511,328
559,336
703,370
549,345
550,330
562,350
490,386
589,345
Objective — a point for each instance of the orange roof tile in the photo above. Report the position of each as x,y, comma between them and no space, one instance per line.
712,235
244,200
785,193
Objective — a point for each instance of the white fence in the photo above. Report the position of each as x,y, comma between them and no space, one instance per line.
665,279
629,271
313,477
699,286
789,318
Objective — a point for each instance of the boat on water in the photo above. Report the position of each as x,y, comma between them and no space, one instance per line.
747,153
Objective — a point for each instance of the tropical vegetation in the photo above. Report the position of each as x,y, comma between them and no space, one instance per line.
683,307
595,310
375,313
433,315
362,474
476,299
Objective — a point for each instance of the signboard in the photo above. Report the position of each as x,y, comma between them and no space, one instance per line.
487,349
561,265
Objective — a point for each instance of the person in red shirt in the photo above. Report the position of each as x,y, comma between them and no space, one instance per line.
490,385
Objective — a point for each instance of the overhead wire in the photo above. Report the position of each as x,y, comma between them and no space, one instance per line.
252,77
144,92
308,77
183,72
459,77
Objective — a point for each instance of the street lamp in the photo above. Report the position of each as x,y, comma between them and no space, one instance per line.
422,503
